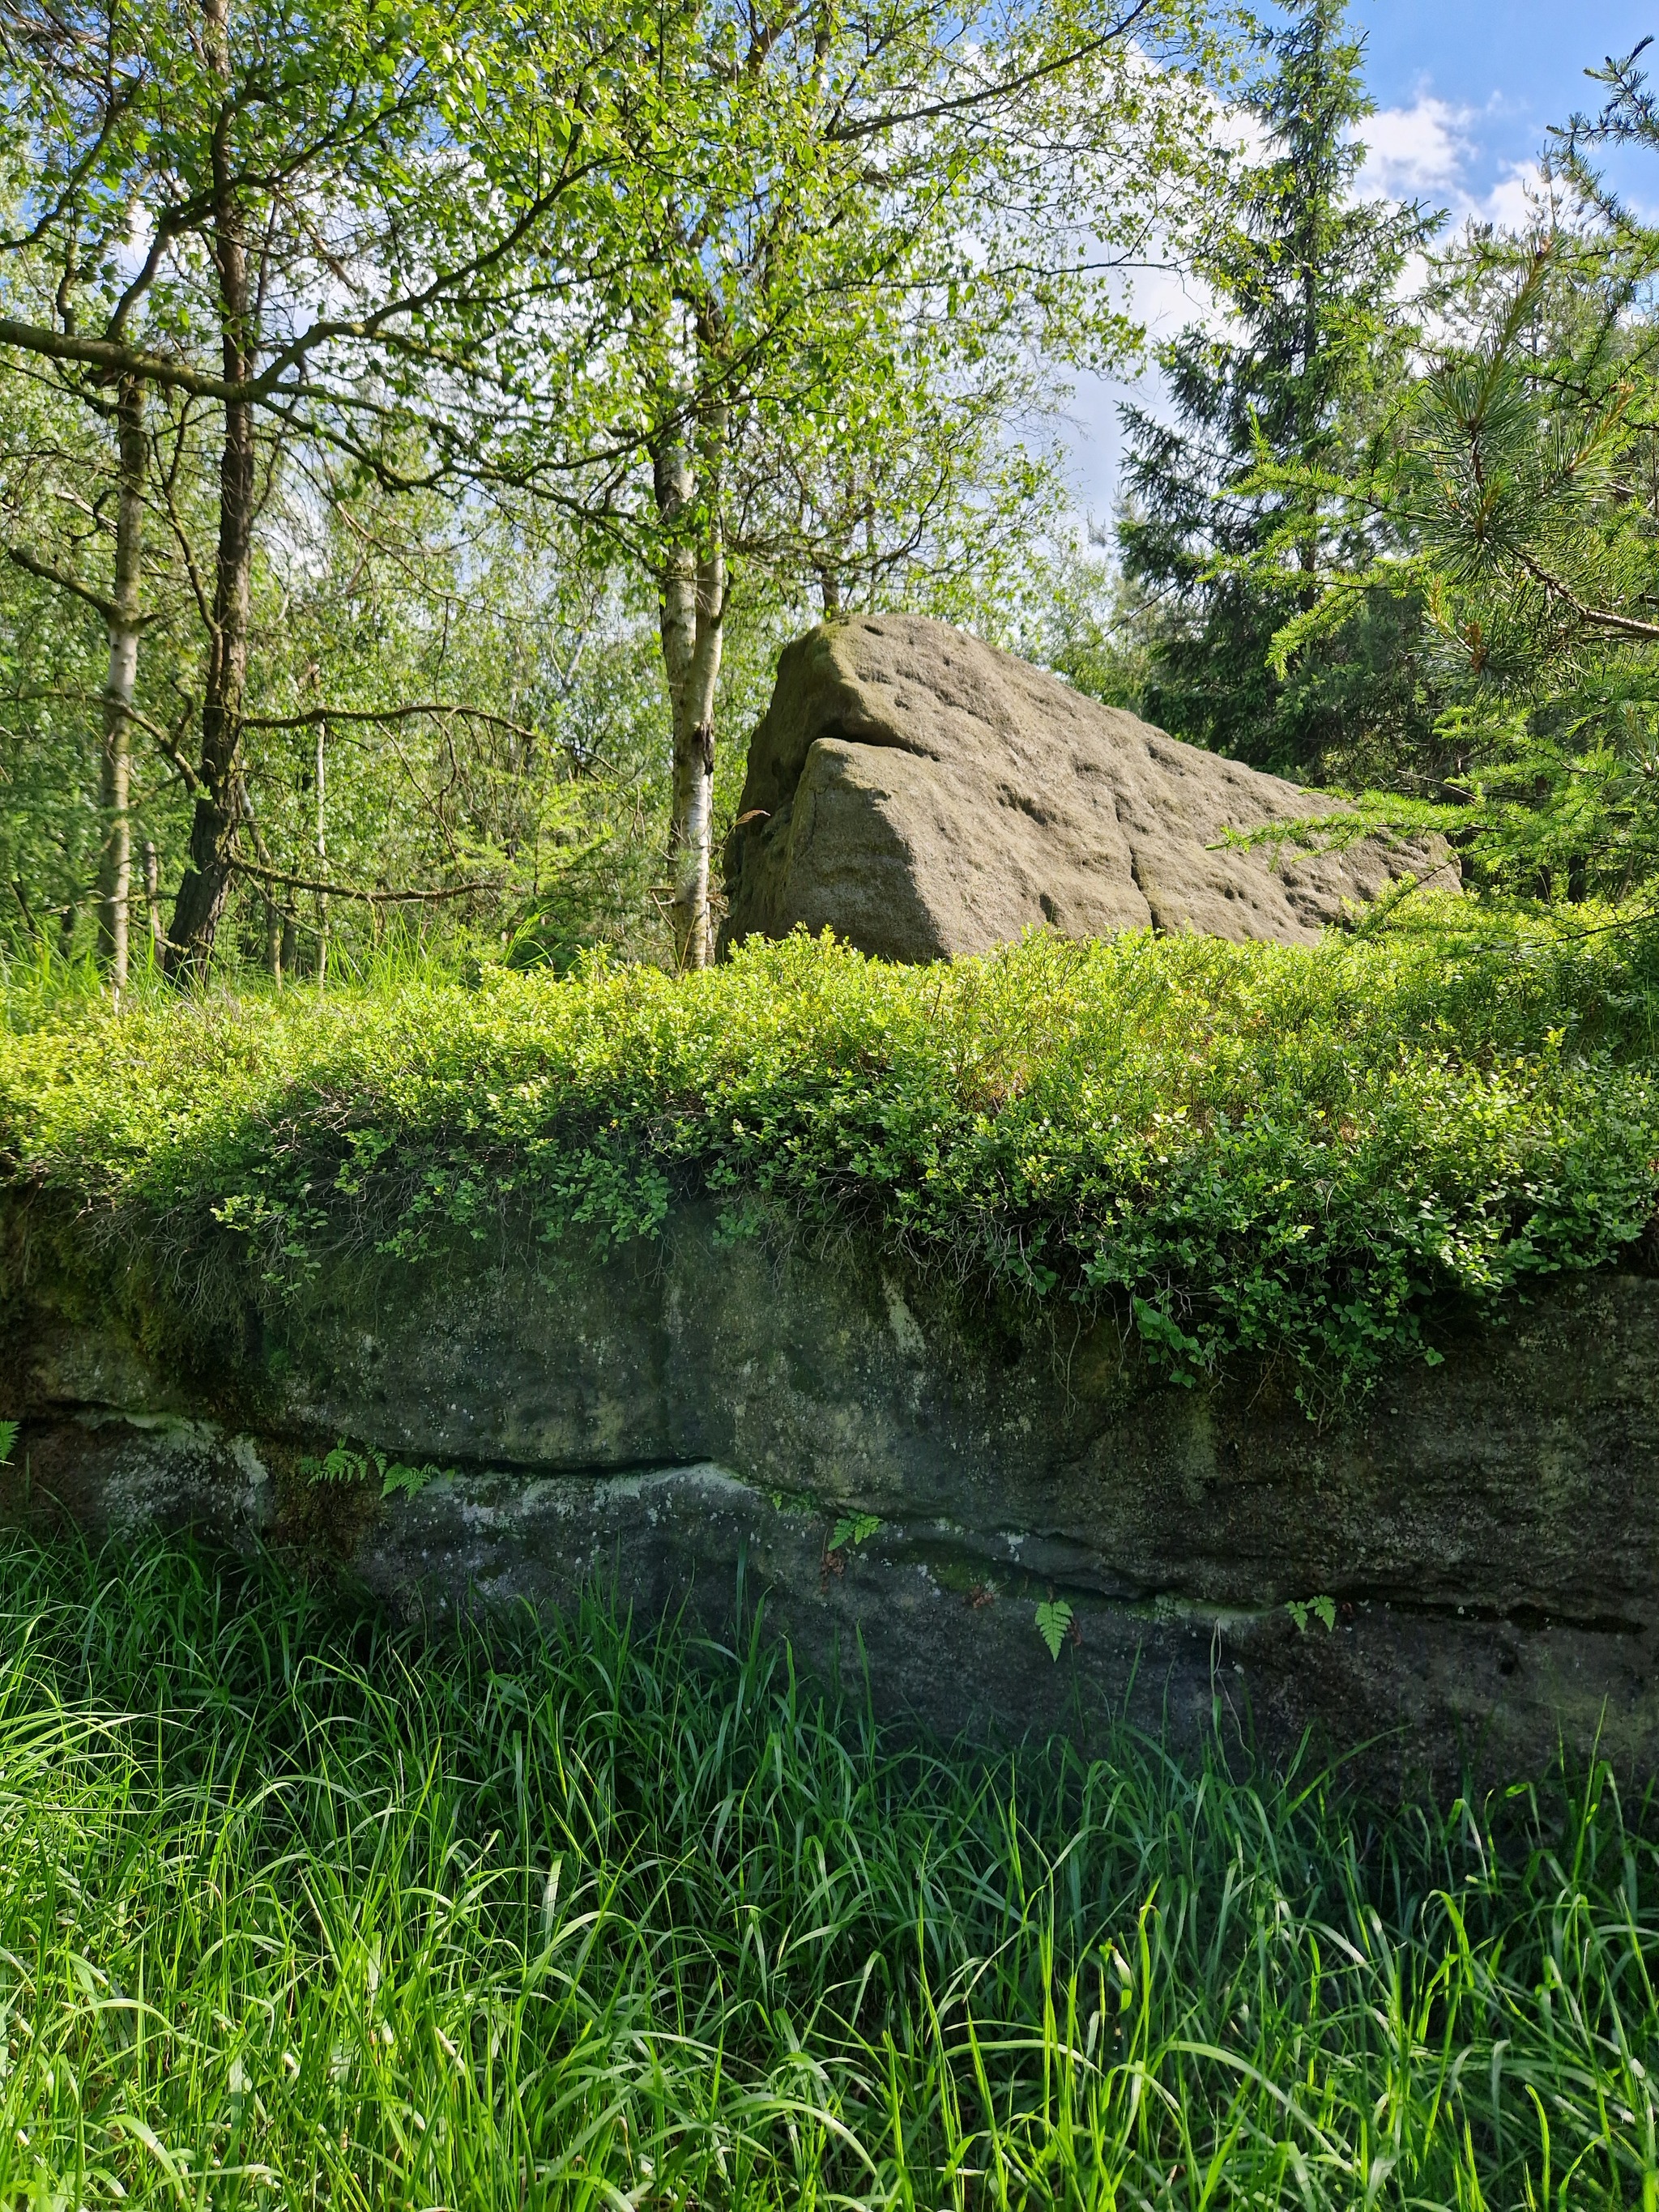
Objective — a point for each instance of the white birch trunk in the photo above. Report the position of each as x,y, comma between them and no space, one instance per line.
691,600
115,776
322,859
158,938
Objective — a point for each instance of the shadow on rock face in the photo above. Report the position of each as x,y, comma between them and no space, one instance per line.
904,1486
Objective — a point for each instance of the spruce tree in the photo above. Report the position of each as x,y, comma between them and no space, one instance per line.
1308,278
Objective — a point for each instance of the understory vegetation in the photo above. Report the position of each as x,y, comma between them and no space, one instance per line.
290,1916
437,598
1320,1152
421,428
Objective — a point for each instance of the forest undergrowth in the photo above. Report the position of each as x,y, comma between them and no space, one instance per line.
1327,1152
290,1915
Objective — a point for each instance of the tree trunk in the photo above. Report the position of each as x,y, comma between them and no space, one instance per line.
691,601
152,901
206,878
322,863
1308,550
115,863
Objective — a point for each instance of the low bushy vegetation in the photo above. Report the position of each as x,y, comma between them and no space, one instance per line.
291,1915
1259,1149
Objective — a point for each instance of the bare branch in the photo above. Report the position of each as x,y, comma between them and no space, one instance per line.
873,126
1601,618
357,892
48,573
441,709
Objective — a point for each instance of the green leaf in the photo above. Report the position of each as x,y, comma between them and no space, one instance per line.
402,1481
8,1438
1164,1336
1321,1608
1053,1619
858,1528
342,1464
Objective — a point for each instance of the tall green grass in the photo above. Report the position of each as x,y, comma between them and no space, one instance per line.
298,1909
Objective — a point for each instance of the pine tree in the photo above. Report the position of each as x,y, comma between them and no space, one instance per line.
1308,278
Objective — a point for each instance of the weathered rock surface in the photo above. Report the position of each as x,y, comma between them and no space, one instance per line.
695,1421
923,795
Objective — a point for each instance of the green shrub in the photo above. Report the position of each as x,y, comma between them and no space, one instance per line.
1244,1149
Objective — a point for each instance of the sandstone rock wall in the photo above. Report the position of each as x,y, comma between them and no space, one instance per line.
696,1423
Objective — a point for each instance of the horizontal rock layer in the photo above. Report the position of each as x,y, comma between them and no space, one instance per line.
701,1420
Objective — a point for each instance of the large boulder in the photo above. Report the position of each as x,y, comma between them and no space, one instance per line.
922,795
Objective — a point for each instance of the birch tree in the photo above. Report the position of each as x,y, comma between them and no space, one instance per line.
308,220
124,619
877,238
73,516
116,600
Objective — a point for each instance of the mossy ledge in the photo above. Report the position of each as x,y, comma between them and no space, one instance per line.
1320,1156
1181,1282
703,1424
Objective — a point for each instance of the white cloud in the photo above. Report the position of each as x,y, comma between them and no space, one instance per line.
1416,151
1430,150
1512,202
1426,152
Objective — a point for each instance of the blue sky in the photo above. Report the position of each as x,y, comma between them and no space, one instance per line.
1470,86
1466,91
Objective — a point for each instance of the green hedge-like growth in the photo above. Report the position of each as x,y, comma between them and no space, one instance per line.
1254,1149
